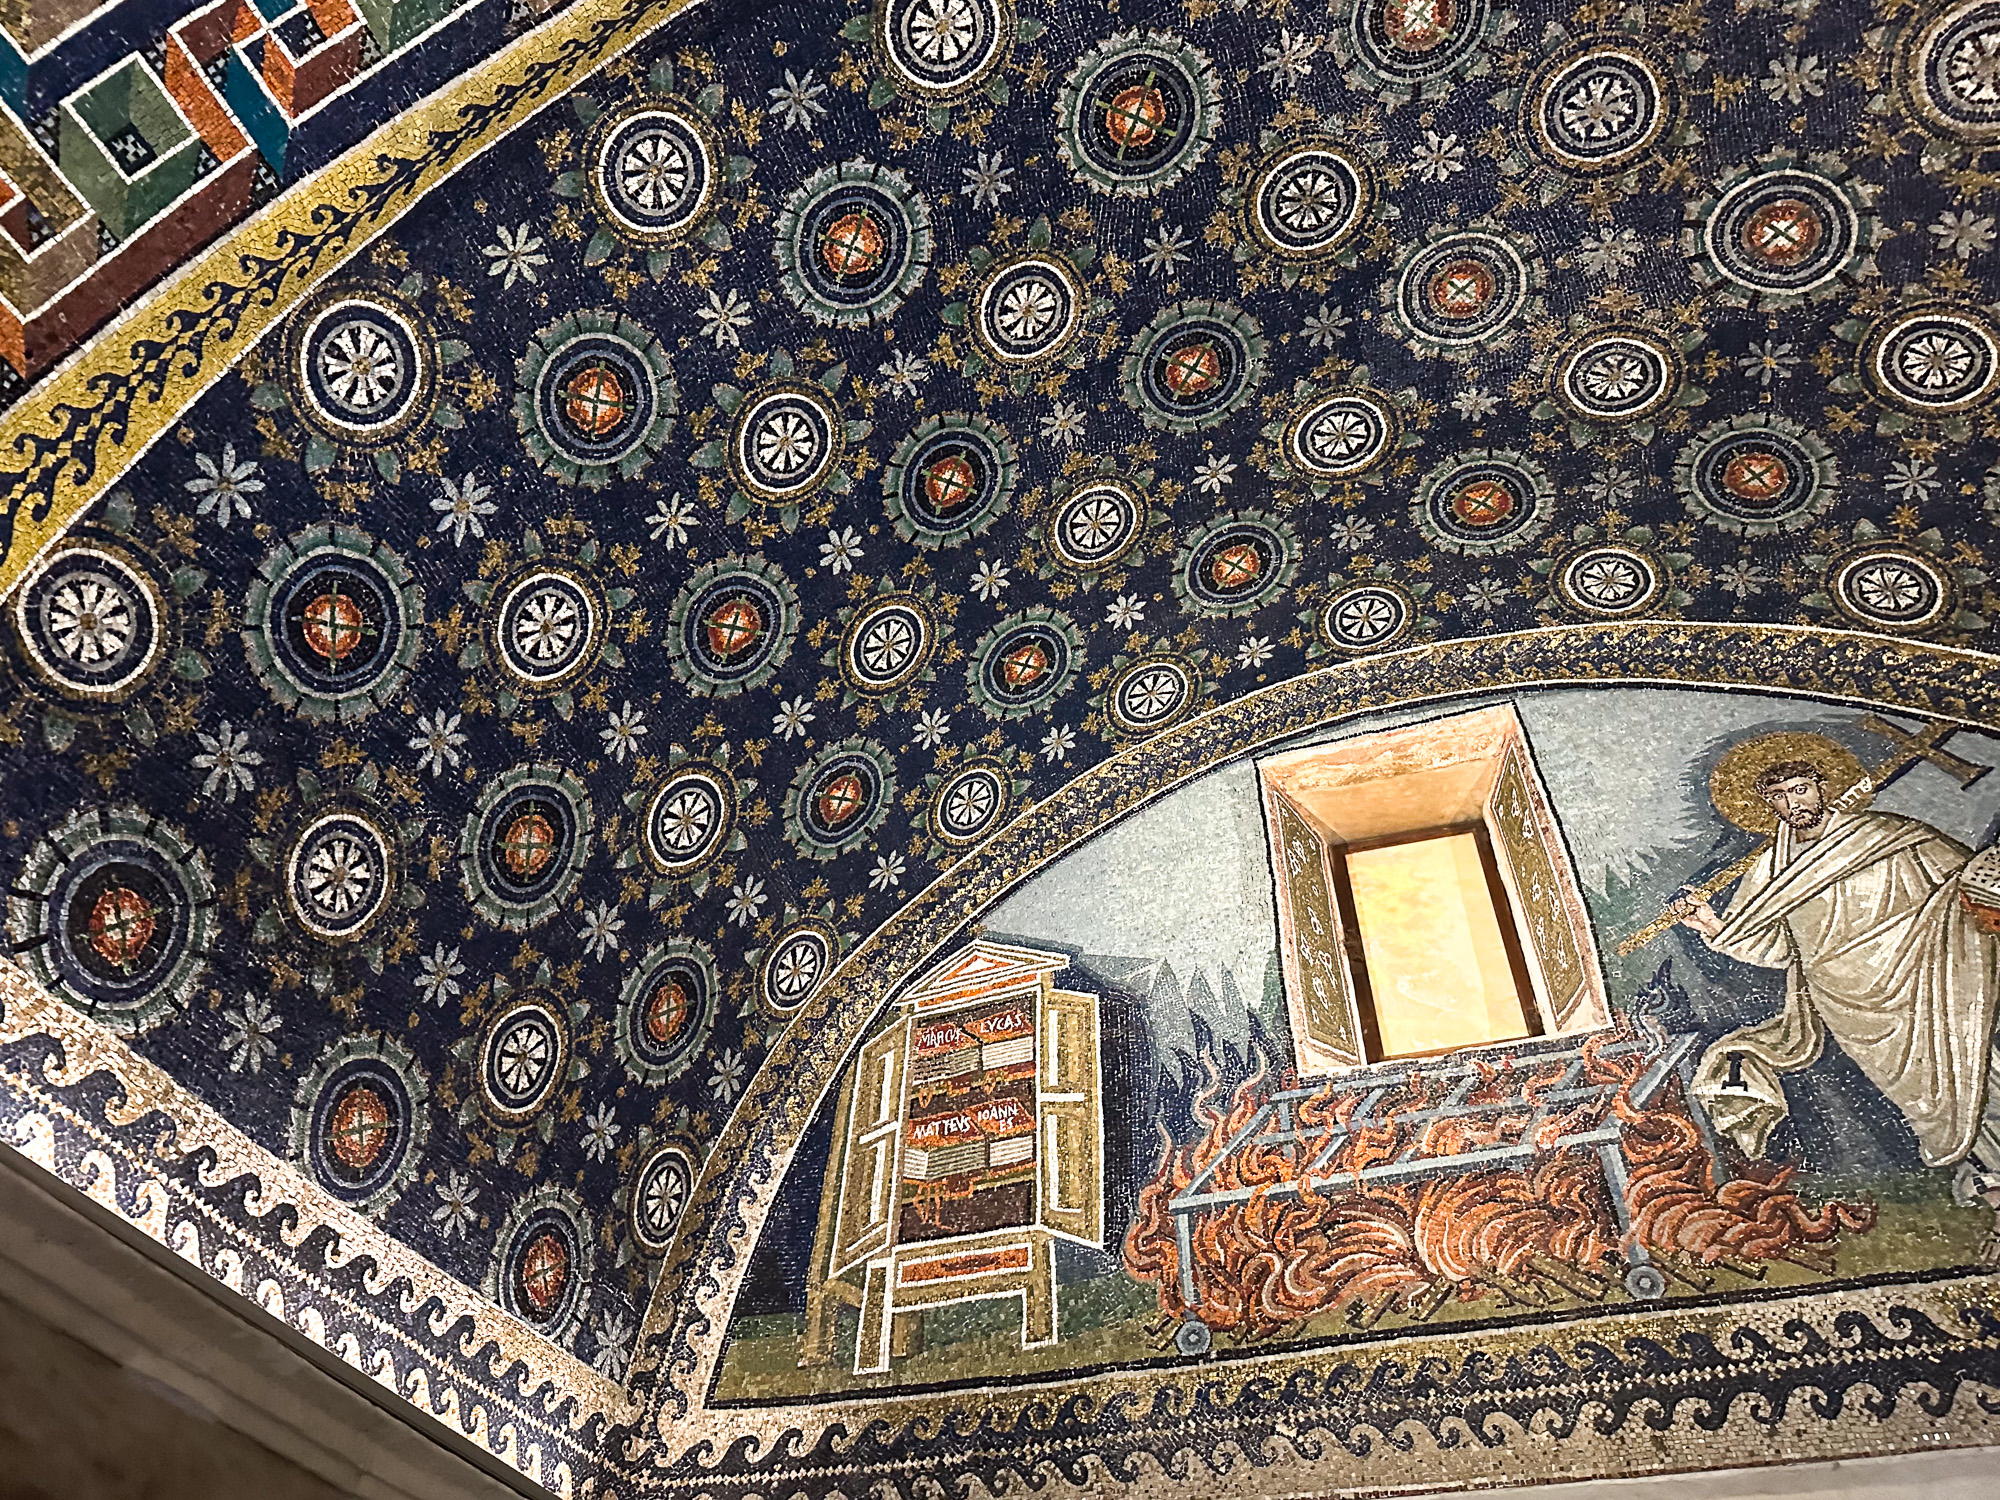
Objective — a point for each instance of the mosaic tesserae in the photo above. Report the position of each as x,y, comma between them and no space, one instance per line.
910,747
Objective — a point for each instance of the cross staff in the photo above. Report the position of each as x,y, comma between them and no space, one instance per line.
1925,744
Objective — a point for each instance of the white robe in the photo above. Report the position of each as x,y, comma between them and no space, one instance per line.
1879,953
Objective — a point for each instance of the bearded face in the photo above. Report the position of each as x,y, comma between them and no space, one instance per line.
1799,800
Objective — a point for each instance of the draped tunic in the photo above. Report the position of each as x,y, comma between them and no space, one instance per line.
1880,954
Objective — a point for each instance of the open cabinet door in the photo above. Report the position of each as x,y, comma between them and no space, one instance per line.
1326,1029
873,1138
1072,1117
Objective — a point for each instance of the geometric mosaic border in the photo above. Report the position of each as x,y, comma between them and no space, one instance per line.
78,431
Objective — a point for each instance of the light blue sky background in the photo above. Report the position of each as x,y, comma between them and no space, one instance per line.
1188,879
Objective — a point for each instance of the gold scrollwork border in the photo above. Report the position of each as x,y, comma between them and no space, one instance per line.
70,438
686,1324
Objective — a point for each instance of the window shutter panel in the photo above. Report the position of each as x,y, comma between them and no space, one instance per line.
1321,1000
1070,1152
1528,847
873,1132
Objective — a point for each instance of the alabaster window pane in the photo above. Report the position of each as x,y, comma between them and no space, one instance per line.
1437,963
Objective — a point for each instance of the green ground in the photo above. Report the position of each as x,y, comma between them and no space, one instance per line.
1104,1321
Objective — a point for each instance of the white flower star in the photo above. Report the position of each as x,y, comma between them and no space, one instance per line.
600,930
723,316
1211,474
1165,250
1324,328
1767,362
463,508
1610,253
622,732
248,1040
1063,423
1351,532
1911,480
745,897
440,976
672,520
1965,234
932,727
905,372
515,256
987,182
222,485
1254,652
1439,157
227,757
727,1079
438,742
600,1131
991,581
1125,611
1289,59
795,102
1793,78
614,1337
841,549
455,1212
791,718
1474,402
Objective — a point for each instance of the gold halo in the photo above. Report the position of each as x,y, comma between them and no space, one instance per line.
1732,786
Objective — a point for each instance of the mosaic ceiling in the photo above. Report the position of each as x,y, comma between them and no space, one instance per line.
475,728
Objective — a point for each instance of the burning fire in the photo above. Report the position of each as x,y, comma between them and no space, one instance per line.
1265,1265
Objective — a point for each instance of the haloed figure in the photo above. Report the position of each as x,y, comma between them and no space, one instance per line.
1864,912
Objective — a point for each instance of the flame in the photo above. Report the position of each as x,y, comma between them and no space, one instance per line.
1272,1259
